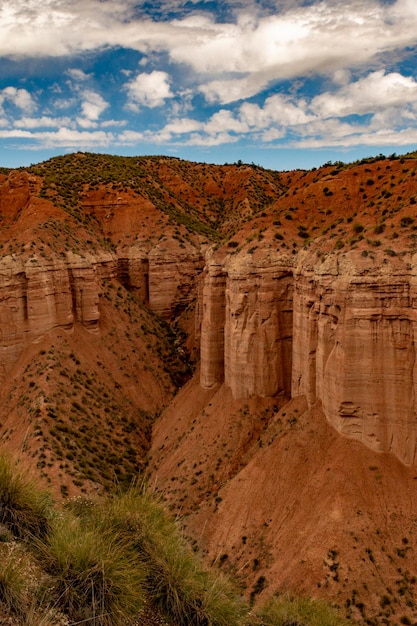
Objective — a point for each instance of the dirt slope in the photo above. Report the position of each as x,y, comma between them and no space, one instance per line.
304,510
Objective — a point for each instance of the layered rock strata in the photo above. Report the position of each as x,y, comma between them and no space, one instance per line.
246,332
354,348
340,331
40,293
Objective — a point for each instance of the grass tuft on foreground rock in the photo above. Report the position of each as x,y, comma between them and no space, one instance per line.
24,508
101,562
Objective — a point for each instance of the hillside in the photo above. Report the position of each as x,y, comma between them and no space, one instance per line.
243,337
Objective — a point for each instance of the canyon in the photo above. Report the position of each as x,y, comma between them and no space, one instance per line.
278,364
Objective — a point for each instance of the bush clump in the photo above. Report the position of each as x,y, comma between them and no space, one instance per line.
176,581
299,611
24,509
95,576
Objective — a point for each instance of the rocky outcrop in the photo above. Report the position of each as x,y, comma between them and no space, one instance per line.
354,348
246,332
340,331
212,352
40,294
173,277
43,292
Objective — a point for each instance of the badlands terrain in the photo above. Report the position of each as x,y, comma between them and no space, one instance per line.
243,338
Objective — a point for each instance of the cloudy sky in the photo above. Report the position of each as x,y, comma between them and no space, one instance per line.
281,83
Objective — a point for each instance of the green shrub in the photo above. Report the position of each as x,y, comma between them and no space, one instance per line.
12,583
24,509
177,583
299,611
95,577
406,221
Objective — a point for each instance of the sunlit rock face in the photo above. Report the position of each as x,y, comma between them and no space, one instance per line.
338,330
354,348
247,325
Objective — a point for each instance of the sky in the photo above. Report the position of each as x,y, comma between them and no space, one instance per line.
283,84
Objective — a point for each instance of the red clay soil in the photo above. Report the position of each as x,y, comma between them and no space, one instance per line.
305,511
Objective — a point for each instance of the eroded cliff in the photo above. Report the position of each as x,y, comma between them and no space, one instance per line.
339,330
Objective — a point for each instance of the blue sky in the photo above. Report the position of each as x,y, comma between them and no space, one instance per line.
280,83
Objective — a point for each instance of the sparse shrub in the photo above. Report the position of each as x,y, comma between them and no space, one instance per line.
95,577
24,509
406,221
302,232
299,611
12,583
176,580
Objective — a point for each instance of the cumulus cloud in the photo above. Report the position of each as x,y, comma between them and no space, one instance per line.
92,105
291,41
77,74
149,90
64,137
20,98
376,91
247,68
376,105
41,122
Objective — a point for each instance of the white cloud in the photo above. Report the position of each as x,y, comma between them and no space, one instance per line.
390,98
92,106
238,57
231,90
41,122
211,140
78,75
372,93
149,90
64,137
130,137
255,49
278,110
225,121
182,126
20,98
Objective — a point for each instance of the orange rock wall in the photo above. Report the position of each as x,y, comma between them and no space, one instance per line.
42,293
354,350
339,331
246,331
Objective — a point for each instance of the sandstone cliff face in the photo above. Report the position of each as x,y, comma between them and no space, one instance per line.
354,348
246,331
40,293
173,275
339,331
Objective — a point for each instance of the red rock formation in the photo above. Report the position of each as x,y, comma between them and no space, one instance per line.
341,332
43,293
247,325
173,274
354,349
213,325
